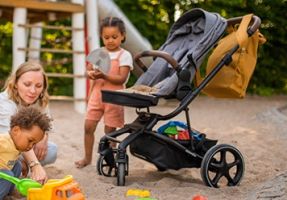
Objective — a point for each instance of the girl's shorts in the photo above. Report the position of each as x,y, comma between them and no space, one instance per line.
113,114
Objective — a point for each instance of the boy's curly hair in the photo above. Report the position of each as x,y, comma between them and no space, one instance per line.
27,117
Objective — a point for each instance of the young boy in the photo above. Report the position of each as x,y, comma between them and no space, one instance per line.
27,127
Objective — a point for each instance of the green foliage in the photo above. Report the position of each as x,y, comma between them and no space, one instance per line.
270,76
5,50
153,19
58,62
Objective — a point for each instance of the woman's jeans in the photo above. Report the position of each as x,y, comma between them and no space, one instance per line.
7,187
51,154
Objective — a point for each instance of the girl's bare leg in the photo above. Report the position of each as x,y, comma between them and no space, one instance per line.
109,129
90,127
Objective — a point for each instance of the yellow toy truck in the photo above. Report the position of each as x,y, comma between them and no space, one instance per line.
57,189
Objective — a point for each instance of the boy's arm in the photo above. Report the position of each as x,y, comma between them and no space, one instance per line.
37,171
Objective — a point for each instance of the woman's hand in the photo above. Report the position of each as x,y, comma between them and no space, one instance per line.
41,148
39,174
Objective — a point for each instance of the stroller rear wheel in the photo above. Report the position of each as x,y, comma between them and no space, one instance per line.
222,165
106,164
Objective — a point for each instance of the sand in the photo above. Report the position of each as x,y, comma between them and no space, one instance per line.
255,125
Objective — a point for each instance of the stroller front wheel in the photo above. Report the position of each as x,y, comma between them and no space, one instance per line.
122,169
121,174
222,165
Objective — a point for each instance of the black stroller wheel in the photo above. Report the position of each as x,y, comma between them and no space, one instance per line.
106,166
222,165
121,174
122,171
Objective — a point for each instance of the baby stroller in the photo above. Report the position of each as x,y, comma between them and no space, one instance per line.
172,71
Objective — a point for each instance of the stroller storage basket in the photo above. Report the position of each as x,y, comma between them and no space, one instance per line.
165,156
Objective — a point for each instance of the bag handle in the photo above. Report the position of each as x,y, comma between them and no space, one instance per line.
241,33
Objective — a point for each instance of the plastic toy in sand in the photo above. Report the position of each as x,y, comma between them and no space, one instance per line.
199,197
22,185
57,189
138,193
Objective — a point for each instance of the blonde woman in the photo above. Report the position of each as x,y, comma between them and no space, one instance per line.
27,86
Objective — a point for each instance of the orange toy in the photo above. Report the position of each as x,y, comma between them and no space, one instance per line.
199,197
57,189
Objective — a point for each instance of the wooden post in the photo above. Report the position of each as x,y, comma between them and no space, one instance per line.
92,24
35,41
19,36
92,31
79,59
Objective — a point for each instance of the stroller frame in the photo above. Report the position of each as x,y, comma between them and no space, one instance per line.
114,162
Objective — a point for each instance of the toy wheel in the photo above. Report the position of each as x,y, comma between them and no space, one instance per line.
105,166
121,174
222,165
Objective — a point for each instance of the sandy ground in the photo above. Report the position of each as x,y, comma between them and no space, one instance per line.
256,126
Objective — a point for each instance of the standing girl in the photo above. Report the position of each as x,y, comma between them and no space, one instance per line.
113,33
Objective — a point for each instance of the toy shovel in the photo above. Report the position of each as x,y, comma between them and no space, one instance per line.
22,185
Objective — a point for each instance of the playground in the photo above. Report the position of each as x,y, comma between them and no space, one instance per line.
254,125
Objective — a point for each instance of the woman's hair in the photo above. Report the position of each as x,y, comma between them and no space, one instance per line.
10,84
114,22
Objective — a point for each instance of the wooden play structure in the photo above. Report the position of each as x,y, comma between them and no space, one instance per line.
29,16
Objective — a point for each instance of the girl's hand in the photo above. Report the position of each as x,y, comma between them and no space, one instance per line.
99,74
90,74
95,74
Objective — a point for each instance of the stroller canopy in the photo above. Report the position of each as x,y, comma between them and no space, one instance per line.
189,40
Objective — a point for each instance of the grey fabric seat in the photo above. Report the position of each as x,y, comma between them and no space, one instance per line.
189,40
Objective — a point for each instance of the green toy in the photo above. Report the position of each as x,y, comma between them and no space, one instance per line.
146,199
22,185
171,130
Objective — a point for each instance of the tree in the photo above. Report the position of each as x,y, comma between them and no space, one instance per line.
270,76
153,19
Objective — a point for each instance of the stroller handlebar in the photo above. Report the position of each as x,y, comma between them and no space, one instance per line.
256,21
155,53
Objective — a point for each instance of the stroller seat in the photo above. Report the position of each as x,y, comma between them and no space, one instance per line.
188,41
